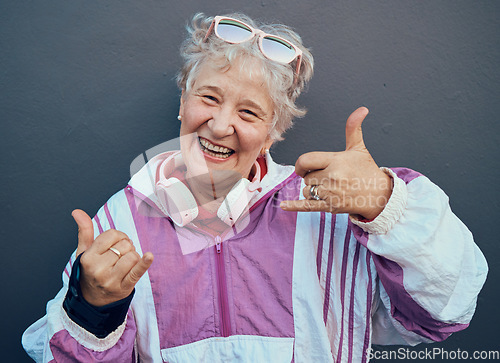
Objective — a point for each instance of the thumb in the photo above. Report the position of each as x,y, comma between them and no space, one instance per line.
353,132
85,230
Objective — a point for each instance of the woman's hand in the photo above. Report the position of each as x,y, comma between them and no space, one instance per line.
106,277
347,182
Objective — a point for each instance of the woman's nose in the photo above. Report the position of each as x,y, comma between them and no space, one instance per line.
221,124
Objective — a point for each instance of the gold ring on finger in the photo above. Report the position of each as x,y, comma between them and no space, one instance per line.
118,253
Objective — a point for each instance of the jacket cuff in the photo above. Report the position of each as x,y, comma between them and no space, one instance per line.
89,340
392,211
98,320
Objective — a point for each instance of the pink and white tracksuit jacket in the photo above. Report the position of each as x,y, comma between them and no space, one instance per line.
287,286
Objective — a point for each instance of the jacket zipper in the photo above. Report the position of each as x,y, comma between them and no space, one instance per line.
225,323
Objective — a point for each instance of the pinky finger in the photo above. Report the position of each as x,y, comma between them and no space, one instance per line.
137,271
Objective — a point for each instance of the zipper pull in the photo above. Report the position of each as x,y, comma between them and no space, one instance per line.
218,242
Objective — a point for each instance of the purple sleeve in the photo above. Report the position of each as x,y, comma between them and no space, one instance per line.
65,348
405,310
429,268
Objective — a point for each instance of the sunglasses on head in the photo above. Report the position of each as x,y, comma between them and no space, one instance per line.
272,47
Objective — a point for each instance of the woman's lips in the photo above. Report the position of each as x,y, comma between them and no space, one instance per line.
215,151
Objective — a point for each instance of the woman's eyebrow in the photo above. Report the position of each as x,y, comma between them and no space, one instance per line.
210,88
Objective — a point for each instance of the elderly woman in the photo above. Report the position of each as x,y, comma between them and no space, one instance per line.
254,261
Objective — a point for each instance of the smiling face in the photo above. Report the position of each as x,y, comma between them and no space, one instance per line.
226,117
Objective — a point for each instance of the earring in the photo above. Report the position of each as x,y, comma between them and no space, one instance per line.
179,117
264,151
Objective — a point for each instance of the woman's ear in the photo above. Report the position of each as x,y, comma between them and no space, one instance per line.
181,106
269,142
267,145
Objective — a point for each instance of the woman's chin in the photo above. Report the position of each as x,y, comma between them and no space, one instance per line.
224,177
209,173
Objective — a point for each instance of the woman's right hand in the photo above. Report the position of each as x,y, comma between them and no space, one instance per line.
105,277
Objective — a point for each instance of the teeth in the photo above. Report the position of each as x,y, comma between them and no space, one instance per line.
221,156
213,147
215,151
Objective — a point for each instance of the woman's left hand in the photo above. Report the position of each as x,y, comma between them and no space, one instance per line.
347,182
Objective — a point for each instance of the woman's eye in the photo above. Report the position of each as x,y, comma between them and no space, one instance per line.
210,98
248,112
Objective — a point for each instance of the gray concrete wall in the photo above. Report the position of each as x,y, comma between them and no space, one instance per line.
85,86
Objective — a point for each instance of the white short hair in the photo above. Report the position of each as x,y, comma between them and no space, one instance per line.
278,77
